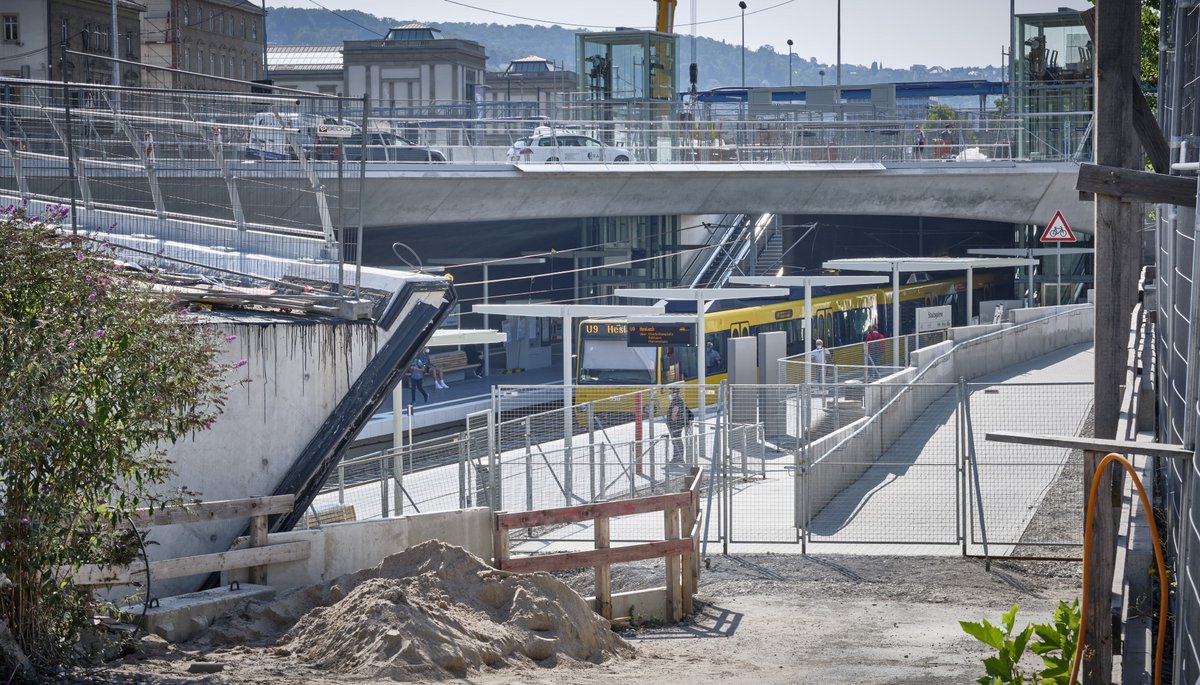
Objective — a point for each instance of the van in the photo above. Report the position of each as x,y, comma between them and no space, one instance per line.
278,135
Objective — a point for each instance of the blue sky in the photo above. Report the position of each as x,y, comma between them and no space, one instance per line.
896,33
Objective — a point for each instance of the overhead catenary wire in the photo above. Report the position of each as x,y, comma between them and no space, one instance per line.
612,26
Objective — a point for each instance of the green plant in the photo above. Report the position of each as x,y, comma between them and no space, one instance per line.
1055,643
1001,669
99,374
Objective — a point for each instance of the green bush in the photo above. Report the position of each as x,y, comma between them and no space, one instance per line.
99,374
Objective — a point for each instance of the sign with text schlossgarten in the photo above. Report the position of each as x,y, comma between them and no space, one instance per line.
931,319
1057,231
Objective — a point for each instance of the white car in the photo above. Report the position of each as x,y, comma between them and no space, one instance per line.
568,148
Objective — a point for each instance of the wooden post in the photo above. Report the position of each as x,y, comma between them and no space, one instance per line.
688,572
1097,665
1118,257
499,541
603,572
674,600
258,538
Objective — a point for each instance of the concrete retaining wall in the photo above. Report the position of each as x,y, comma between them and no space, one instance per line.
842,457
341,548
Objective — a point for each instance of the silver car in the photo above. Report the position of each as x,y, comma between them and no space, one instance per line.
567,148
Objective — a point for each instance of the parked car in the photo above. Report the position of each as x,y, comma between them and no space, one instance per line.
569,148
385,146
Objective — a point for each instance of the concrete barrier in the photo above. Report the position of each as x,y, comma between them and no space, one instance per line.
342,548
845,455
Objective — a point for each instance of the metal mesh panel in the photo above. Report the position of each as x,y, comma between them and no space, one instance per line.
1021,495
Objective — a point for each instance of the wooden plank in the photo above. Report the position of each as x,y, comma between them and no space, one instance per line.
603,573
258,538
674,585
1132,185
215,511
615,555
1150,449
94,574
587,512
1145,124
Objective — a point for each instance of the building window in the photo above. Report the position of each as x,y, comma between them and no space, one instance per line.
253,30
245,72
243,28
256,70
64,29
12,28
129,44
187,59
187,15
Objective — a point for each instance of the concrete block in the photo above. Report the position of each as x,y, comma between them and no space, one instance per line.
640,605
182,617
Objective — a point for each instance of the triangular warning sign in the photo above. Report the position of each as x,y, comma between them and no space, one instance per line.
1057,231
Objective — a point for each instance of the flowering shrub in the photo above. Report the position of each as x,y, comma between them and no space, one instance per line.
98,376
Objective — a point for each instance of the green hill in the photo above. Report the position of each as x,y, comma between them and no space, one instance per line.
720,62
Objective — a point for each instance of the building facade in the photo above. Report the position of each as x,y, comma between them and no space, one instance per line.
223,38
32,33
530,83
413,66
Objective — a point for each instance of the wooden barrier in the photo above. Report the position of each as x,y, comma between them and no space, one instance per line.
257,557
680,548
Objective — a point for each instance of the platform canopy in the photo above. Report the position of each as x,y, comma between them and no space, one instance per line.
894,265
448,337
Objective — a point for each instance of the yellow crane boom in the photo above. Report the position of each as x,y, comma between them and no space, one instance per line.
665,23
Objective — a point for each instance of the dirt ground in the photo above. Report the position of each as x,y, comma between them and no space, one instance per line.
761,619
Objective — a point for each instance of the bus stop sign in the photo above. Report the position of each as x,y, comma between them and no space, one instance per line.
1057,231
660,335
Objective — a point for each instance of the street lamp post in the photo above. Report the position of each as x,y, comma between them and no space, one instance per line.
822,73
789,62
742,5
839,47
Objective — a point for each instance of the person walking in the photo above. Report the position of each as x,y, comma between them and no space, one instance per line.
918,141
678,415
874,341
416,378
818,358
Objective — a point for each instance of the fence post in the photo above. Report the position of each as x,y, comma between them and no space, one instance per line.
603,572
341,483
528,465
633,455
463,500
603,474
591,427
653,408
383,487
398,494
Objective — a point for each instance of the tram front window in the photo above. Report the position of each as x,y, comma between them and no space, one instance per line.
611,362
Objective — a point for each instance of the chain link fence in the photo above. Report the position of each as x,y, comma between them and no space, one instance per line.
859,464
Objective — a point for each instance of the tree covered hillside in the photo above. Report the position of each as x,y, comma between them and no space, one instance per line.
720,62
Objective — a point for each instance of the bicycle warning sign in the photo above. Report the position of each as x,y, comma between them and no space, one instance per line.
1057,231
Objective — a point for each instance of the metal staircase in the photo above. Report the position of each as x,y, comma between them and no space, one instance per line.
739,245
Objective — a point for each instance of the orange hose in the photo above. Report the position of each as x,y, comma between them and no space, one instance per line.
1158,557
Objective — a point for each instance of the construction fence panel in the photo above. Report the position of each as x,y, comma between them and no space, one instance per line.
1025,500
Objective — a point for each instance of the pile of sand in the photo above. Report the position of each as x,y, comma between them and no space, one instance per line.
432,611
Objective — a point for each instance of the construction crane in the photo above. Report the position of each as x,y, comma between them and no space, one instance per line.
665,23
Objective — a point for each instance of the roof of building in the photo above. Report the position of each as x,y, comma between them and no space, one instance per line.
412,25
305,57
531,58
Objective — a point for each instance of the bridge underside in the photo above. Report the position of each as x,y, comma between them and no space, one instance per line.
1027,193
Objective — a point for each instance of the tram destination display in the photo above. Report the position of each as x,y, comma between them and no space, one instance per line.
659,335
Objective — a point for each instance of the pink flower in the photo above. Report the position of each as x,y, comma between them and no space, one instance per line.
91,297
230,338
240,363
100,332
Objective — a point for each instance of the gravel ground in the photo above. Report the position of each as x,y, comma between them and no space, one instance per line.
761,619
